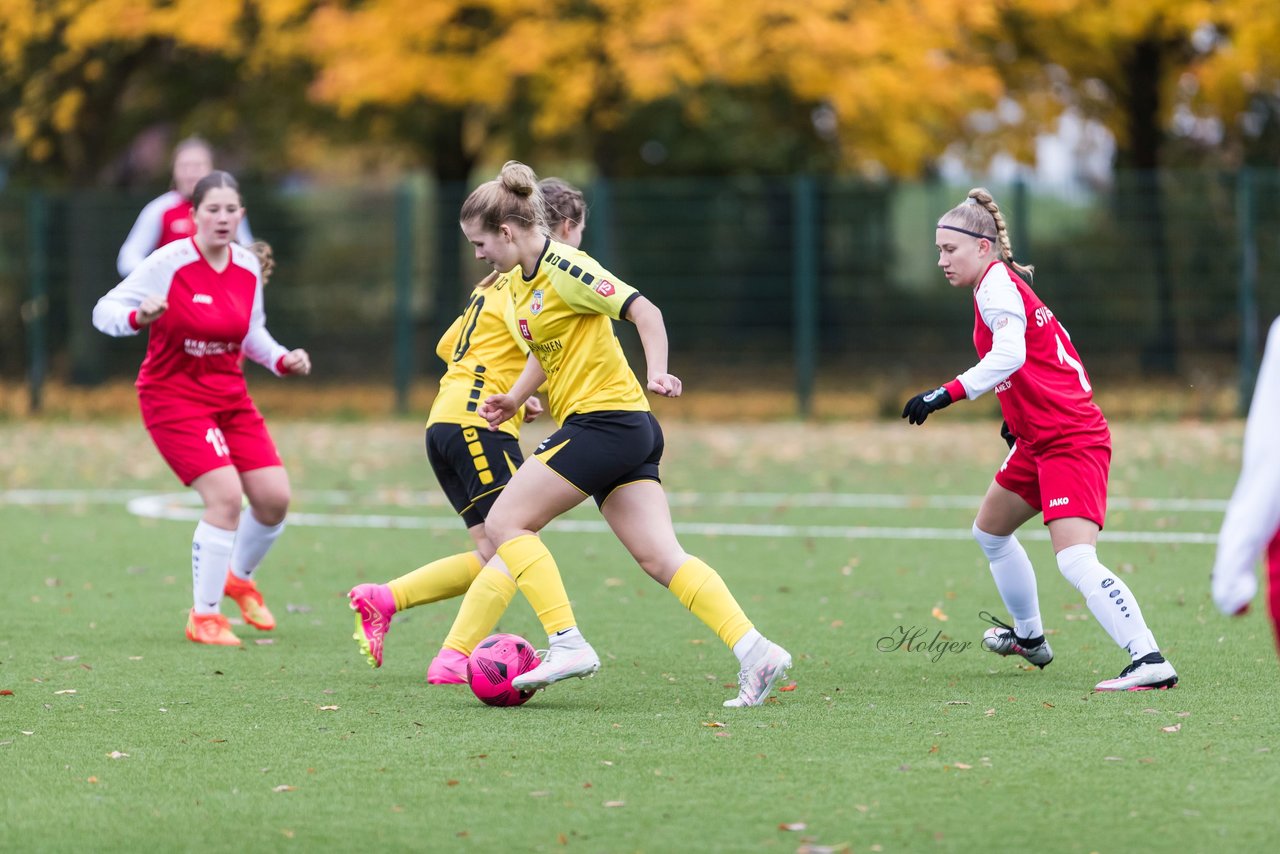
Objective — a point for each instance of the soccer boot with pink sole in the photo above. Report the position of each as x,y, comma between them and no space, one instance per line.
1002,640
1145,674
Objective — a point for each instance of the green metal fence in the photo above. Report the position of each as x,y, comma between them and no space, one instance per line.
773,281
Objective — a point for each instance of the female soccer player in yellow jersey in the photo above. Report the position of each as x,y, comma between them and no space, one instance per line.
608,445
471,463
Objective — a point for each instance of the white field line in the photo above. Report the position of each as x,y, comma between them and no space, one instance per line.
184,506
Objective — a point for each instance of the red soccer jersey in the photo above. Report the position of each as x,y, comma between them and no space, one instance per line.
193,361
175,220
1048,402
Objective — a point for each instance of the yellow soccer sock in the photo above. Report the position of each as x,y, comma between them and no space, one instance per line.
440,579
538,578
481,608
701,589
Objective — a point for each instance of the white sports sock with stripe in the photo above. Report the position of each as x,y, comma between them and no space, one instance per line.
210,553
1109,599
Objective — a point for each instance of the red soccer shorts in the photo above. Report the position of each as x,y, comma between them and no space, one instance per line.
1062,484
228,437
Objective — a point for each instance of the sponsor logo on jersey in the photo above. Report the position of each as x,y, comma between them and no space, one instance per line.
605,288
1059,502
524,329
1004,386
1000,324
203,299
200,349
1043,316
535,305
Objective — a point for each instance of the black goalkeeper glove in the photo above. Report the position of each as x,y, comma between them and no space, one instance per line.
919,407
1007,434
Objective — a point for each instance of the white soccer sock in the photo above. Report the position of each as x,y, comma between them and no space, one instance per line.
1015,579
1109,599
210,552
253,541
743,648
566,637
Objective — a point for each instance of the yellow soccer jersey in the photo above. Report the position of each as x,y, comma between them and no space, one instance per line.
482,359
564,313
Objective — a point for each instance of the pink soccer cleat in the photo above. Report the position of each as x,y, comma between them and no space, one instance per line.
374,605
449,667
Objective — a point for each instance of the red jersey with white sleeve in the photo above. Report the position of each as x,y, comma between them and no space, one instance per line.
193,364
1028,358
164,220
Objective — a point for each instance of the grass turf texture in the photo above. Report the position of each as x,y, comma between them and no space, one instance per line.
228,748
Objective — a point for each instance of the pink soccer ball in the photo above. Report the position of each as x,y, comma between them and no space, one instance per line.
494,662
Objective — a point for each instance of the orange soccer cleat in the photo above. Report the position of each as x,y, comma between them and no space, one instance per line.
245,594
210,628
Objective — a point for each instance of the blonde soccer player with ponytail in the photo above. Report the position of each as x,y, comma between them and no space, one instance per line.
471,463
608,446
1060,448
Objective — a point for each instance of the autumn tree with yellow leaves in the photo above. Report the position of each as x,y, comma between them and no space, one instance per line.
878,87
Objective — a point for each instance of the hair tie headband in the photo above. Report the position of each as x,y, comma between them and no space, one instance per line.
976,234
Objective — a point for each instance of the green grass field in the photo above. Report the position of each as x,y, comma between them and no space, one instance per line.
119,734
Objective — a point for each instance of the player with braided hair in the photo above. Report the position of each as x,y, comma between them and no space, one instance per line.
1061,451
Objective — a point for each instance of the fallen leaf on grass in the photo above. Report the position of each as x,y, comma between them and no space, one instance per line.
961,766
958,703
611,804
793,827
328,708
27,731
1146,760
539,794
92,780
451,782
286,833
1184,714
66,691
991,713
937,614
285,789
6,693
115,754
1112,759
712,723
790,687
722,734
264,641
1173,728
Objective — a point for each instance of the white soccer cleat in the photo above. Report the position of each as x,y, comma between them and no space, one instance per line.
1146,674
562,661
758,676
1002,640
